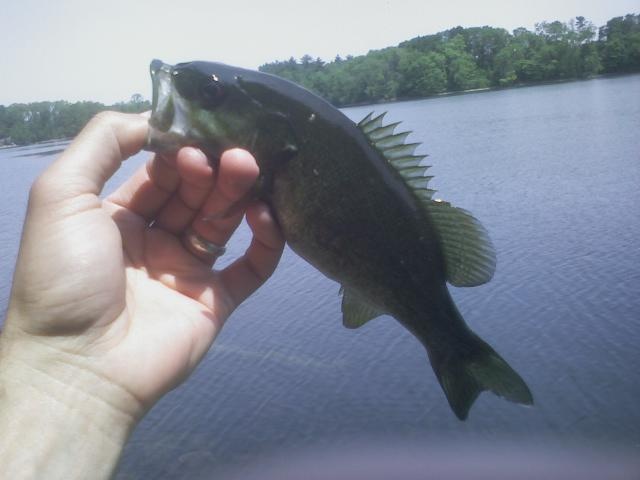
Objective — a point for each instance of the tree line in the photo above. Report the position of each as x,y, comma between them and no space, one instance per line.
462,59
25,123
457,59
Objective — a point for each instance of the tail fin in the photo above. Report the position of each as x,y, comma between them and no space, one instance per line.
466,368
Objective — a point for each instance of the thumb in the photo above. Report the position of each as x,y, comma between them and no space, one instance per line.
93,157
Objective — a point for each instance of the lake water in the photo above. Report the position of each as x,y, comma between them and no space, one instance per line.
553,172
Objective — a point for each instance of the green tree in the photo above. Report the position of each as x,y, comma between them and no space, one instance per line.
620,44
590,63
506,63
462,72
484,43
421,74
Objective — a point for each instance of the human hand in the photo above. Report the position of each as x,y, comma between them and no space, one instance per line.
108,311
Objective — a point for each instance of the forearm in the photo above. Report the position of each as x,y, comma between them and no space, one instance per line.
52,426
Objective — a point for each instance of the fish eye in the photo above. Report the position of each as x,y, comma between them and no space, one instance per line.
212,91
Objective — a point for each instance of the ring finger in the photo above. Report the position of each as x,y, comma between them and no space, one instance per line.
224,207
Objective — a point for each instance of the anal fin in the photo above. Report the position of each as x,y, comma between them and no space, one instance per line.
356,311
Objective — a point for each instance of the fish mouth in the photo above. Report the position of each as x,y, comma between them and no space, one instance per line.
166,129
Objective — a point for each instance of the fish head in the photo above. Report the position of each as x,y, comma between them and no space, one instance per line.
201,104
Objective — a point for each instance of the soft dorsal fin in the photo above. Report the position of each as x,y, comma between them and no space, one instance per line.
470,258
355,310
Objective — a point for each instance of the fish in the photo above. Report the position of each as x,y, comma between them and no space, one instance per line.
354,201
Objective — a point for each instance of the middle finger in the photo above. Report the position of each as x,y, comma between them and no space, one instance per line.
223,209
196,179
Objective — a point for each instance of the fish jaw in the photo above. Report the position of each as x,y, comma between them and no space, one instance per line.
167,129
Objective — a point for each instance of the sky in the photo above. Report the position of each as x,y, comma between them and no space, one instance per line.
100,50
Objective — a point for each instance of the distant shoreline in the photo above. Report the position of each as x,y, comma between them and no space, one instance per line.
32,123
411,99
492,89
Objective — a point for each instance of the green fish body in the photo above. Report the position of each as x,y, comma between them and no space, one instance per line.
353,201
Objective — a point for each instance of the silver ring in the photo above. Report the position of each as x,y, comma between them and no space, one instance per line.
202,245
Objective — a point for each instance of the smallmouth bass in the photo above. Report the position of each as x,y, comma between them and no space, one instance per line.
351,199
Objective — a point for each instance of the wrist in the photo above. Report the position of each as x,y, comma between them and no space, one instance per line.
58,418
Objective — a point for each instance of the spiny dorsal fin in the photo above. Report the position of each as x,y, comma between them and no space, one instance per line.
368,124
392,140
383,131
469,255
355,310
399,153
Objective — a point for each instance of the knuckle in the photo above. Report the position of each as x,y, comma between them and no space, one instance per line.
104,121
42,188
107,117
